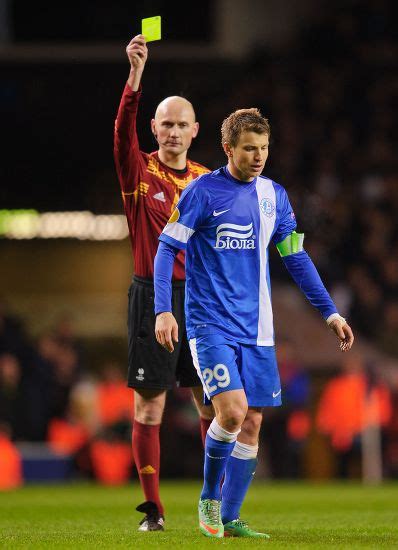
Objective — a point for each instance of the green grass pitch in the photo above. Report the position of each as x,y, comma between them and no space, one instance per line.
296,516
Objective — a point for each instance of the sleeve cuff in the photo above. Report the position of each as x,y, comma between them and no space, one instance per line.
335,316
130,92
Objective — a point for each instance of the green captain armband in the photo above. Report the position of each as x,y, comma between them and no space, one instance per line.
292,244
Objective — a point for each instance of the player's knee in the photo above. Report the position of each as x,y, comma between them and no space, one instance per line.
231,417
152,416
149,412
252,424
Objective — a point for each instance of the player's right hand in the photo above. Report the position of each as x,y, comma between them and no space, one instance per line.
344,333
137,52
166,330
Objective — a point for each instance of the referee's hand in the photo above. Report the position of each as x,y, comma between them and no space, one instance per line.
166,330
137,52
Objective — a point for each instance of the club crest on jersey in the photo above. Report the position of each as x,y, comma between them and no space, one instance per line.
268,207
230,236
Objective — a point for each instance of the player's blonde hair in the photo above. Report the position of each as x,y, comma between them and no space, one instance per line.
243,120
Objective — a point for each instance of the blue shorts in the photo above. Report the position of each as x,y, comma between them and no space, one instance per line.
224,365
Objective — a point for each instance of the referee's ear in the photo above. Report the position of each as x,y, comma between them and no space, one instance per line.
195,129
153,129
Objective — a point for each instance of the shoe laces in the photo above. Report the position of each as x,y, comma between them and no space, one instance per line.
212,509
241,523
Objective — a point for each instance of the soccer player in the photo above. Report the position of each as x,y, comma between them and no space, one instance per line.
226,220
151,185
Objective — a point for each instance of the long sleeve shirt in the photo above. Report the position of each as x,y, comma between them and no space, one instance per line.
150,189
226,227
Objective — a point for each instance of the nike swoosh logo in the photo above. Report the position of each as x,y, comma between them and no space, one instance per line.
208,528
219,213
276,394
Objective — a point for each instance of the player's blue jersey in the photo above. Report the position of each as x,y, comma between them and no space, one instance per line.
226,226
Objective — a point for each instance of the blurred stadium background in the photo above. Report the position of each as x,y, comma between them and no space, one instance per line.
325,75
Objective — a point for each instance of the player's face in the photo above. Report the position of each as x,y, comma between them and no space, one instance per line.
247,159
174,127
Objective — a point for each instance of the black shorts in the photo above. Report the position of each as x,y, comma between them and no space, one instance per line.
150,366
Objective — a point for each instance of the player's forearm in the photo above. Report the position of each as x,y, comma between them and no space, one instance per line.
163,273
306,276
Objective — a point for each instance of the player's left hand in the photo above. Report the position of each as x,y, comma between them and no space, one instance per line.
343,331
166,330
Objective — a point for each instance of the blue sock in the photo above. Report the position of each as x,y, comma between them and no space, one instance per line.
238,475
217,454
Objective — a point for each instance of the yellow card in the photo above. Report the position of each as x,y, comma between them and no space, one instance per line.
152,28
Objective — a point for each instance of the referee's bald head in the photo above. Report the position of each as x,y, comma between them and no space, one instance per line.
177,106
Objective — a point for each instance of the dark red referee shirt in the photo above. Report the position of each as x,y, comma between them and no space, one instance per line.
150,190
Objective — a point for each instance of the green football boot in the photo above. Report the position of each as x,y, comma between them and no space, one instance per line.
239,528
210,523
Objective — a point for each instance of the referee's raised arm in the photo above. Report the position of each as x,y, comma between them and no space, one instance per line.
126,144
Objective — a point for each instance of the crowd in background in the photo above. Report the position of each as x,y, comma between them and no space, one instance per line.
50,393
330,100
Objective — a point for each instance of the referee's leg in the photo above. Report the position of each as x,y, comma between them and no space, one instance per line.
149,376
148,411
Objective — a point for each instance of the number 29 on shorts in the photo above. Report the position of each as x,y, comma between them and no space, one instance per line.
217,377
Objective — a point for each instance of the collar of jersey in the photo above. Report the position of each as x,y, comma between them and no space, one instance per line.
179,172
235,180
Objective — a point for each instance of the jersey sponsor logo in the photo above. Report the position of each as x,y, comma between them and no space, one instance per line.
159,196
175,216
267,207
230,236
215,214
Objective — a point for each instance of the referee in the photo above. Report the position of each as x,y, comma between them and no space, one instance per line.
151,185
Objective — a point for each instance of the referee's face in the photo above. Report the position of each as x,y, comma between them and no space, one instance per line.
174,125
247,158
